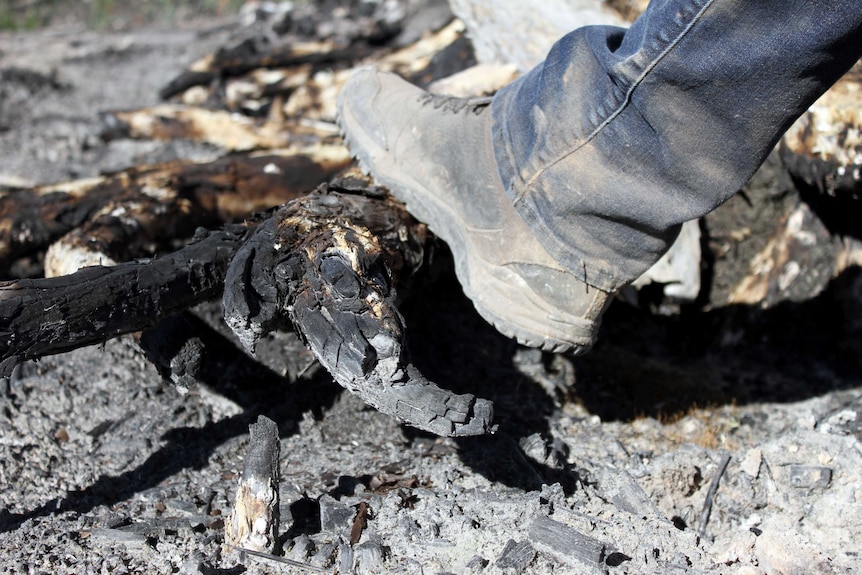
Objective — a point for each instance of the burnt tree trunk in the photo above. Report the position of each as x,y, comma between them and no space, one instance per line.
138,211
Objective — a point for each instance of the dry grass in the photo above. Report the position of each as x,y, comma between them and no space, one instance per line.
709,427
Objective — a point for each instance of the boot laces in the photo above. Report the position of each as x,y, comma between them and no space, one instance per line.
476,105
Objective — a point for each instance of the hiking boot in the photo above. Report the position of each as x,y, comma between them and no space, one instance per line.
435,154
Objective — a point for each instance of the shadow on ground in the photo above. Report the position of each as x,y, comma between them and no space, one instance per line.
643,365
228,372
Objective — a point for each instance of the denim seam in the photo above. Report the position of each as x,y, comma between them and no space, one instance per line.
624,104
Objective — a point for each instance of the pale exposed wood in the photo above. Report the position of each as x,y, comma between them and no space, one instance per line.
824,147
230,131
254,520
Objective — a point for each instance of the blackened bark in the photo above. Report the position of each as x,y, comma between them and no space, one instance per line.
328,263
41,317
163,202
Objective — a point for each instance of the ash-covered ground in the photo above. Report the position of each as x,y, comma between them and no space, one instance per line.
612,463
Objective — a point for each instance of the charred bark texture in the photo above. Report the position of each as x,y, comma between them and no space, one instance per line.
145,209
328,263
41,317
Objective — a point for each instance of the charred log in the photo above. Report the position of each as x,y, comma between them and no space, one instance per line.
328,264
146,209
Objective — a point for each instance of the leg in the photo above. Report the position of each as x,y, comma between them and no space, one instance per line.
576,178
662,122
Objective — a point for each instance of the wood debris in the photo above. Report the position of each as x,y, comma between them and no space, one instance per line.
254,521
359,522
572,546
328,264
148,209
271,108
703,520
824,147
516,556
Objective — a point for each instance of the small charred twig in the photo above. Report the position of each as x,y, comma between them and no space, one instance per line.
277,559
359,523
325,263
253,524
710,495
41,317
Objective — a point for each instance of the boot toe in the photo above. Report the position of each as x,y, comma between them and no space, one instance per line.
360,99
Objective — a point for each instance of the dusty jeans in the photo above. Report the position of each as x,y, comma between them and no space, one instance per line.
622,135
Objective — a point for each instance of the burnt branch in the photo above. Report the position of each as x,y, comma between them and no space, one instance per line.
46,316
328,264
253,523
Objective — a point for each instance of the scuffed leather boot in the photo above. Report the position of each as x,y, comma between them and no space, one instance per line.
435,154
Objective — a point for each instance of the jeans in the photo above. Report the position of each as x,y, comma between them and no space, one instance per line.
621,135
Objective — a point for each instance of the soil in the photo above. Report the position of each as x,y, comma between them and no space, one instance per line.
609,463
